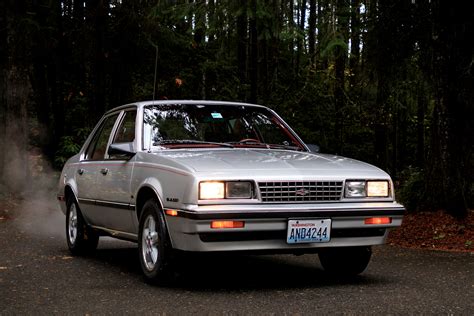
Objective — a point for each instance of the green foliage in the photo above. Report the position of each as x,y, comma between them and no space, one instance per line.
411,190
333,44
70,145
67,147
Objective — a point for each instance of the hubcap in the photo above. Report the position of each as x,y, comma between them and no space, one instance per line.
72,224
149,243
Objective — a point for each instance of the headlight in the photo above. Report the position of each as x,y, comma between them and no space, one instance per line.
371,188
355,189
238,190
377,188
212,190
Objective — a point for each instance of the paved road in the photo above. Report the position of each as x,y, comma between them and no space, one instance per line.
38,276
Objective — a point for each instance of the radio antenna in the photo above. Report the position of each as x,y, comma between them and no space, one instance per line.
156,68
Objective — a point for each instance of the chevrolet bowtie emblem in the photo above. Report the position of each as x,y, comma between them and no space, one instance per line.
301,192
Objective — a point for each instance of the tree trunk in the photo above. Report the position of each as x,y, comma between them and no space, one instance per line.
381,50
16,91
312,32
355,42
291,28
253,53
274,53
97,12
340,67
3,84
211,12
422,103
369,38
301,37
453,63
57,80
242,39
78,48
200,22
323,31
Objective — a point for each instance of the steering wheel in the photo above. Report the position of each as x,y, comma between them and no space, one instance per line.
248,140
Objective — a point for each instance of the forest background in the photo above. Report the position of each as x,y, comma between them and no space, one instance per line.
387,82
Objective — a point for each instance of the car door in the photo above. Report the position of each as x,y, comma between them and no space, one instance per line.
113,179
88,168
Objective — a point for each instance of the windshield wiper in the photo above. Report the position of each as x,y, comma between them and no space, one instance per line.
288,147
190,141
266,145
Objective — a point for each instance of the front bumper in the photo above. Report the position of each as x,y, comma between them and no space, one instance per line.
266,226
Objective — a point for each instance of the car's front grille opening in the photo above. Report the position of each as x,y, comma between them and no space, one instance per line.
300,191
281,234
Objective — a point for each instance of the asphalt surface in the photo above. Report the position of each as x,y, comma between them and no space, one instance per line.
38,276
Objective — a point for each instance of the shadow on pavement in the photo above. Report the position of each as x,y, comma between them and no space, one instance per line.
233,272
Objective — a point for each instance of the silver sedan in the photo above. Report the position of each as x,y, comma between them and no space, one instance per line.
207,176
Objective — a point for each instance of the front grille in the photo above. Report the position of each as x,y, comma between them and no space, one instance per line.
300,191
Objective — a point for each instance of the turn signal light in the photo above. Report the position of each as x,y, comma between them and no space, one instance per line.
227,224
378,220
171,212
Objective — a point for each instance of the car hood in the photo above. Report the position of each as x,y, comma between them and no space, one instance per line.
263,161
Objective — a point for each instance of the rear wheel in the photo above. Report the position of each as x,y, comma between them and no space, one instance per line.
154,246
345,261
81,239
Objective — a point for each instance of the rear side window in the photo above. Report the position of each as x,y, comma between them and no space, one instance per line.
98,145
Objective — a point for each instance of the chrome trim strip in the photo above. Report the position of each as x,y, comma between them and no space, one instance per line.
117,233
292,213
86,201
117,205
271,207
112,204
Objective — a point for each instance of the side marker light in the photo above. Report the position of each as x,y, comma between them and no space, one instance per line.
378,220
171,212
227,224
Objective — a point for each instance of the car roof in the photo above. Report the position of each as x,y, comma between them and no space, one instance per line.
141,104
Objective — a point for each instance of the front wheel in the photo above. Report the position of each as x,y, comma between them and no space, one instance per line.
345,261
154,245
81,239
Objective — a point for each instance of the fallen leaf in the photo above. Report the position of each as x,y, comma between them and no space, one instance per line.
3,268
66,257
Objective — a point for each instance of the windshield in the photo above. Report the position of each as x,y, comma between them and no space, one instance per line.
213,125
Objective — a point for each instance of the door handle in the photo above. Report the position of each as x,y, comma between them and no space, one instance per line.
80,171
104,171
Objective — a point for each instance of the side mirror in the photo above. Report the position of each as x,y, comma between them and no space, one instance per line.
313,148
121,150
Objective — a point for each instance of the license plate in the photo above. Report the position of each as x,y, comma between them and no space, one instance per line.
307,231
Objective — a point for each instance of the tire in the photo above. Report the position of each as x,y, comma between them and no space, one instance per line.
154,246
345,261
81,239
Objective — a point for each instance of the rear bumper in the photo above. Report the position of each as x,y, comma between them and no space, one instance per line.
266,226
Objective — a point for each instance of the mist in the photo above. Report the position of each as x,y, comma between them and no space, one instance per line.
31,195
